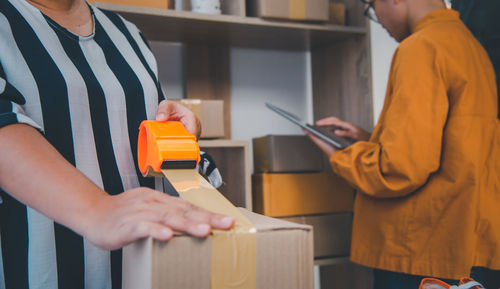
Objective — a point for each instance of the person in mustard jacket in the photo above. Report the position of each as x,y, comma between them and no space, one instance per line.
428,177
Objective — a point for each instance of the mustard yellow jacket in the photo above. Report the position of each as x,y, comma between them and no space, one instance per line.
428,179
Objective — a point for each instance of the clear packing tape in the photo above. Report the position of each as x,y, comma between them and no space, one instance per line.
233,251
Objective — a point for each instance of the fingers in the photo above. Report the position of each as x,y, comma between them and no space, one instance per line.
329,121
324,146
347,129
144,229
173,111
167,111
345,133
180,215
333,121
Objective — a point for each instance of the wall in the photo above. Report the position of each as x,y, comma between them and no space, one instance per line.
281,78
257,76
382,49
277,77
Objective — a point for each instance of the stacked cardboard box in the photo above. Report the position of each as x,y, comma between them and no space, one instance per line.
337,13
286,154
284,259
211,115
162,4
332,233
310,10
289,183
285,195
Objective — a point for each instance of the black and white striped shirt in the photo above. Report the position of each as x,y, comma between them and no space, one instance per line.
87,95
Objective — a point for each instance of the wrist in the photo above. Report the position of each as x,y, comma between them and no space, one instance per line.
90,213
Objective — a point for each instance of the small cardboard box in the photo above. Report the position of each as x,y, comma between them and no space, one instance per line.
284,259
162,4
211,115
284,195
332,233
286,153
337,13
310,10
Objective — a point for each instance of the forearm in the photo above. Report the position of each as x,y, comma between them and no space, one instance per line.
32,171
368,168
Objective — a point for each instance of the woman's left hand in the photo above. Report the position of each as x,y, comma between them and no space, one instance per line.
174,111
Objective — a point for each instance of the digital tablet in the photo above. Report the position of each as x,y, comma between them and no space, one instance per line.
326,133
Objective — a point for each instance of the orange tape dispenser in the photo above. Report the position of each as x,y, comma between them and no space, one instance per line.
165,145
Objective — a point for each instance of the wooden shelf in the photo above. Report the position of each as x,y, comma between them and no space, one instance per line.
236,31
233,161
331,261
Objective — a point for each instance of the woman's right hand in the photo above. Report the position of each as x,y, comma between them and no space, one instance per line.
347,129
116,221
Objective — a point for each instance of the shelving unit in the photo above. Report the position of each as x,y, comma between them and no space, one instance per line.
233,162
236,31
331,261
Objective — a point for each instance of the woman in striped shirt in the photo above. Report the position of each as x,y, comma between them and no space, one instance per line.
75,83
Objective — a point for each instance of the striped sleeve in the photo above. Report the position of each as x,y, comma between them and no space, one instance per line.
11,101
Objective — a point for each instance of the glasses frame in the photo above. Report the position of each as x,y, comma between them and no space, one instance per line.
367,13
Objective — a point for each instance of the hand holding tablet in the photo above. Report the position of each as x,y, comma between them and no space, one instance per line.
325,133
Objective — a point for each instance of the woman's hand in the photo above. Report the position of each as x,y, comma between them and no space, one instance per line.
346,129
174,111
116,221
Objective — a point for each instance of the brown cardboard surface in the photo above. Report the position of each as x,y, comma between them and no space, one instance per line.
233,251
211,114
163,4
312,10
337,13
332,233
283,195
286,153
284,259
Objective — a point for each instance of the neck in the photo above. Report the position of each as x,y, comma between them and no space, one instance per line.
57,5
418,9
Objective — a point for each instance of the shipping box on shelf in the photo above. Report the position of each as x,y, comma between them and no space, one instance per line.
337,13
284,259
228,7
211,114
286,153
162,4
283,195
309,10
332,233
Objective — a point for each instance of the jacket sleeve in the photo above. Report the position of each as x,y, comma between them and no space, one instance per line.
11,101
405,148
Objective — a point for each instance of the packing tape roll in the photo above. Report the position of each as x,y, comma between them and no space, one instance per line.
297,9
233,251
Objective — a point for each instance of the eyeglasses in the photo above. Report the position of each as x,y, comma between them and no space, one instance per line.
369,11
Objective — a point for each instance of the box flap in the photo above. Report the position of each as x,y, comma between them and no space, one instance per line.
263,223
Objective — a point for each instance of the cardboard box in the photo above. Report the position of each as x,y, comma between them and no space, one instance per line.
337,13
211,115
286,153
228,7
346,275
284,259
310,10
332,233
162,4
284,195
